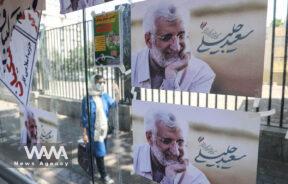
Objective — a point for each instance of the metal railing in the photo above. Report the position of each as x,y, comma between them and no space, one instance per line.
60,68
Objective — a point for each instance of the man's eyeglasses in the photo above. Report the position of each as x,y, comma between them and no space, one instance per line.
167,37
169,141
32,126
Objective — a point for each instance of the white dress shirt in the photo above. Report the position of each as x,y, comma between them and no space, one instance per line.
142,167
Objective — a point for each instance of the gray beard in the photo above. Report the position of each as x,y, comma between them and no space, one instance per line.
33,139
160,156
160,59
157,56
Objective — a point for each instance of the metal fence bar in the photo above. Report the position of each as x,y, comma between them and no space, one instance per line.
272,61
73,66
159,100
54,62
284,73
61,74
49,60
236,103
122,87
66,75
81,43
58,56
246,103
113,84
225,106
77,68
206,100
152,93
173,93
216,101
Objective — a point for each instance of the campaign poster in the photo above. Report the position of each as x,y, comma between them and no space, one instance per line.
107,39
191,145
38,127
67,6
10,12
16,71
39,145
199,45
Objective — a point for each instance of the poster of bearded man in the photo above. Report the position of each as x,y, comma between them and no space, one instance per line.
191,145
199,46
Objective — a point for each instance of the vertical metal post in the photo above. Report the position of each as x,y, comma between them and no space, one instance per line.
166,97
66,60
225,101
66,69
54,61
216,101
107,80
73,55
272,61
49,56
87,93
181,97
207,99
59,47
246,103
72,63
62,89
284,73
236,103
113,93
79,53
159,95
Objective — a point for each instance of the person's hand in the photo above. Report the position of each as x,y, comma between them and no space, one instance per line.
85,138
173,169
174,66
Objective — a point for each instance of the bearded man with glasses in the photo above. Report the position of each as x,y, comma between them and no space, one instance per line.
163,158
29,135
165,63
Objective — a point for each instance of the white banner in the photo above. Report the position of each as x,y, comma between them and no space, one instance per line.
42,123
16,71
210,47
209,145
67,6
10,11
